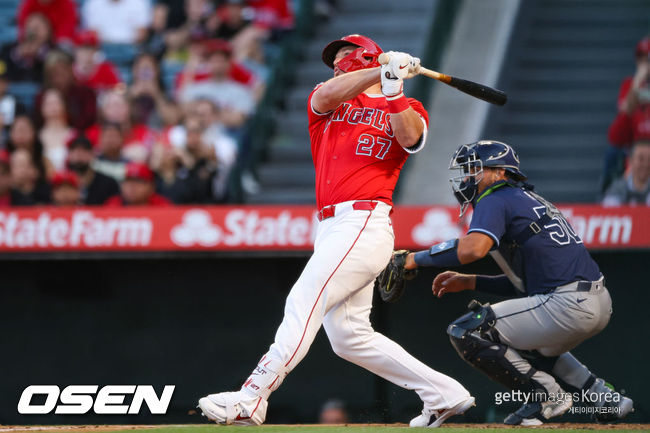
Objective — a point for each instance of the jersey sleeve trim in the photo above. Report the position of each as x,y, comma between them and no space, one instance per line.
313,110
423,140
311,106
485,232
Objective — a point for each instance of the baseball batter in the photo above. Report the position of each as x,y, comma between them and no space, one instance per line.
523,343
362,128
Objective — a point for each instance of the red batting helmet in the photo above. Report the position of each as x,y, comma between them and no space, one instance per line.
363,57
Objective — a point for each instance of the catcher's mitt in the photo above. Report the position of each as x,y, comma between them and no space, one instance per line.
391,281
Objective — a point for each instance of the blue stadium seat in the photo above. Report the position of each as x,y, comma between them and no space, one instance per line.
7,13
25,92
8,34
169,70
119,54
125,74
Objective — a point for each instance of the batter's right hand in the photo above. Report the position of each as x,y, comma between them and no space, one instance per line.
452,282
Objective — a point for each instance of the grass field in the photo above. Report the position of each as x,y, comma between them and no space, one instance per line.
450,428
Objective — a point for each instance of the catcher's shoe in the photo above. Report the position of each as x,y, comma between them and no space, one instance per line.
610,404
526,415
234,408
536,413
435,418
613,411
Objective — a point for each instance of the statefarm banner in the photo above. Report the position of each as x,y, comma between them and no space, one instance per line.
268,228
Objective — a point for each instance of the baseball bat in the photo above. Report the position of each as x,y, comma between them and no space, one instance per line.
480,91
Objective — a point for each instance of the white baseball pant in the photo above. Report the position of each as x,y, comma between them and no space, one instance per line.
335,290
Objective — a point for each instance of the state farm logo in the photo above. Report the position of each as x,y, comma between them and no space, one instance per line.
436,226
242,227
601,229
81,228
196,228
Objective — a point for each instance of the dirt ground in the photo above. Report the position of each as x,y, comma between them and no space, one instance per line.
102,428
72,428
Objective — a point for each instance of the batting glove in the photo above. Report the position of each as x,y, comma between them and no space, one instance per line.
400,66
391,85
414,67
397,60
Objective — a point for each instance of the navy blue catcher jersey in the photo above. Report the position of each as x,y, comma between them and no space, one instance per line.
553,257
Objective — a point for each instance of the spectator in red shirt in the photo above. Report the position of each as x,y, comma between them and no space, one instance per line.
23,59
62,15
632,122
275,15
115,108
235,101
200,52
138,188
65,189
200,49
633,119
80,101
90,67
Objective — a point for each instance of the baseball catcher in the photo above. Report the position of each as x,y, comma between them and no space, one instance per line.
524,343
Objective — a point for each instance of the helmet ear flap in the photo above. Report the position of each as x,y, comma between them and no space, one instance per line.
357,59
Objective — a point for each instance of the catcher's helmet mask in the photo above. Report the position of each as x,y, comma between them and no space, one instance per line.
471,159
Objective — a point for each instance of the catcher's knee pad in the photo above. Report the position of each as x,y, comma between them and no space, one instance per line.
468,333
481,318
475,340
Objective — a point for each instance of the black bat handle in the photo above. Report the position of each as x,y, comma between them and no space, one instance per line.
480,91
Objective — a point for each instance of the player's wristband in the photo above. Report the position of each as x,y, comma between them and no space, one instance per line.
442,255
397,103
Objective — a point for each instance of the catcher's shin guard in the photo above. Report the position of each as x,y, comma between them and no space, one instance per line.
475,340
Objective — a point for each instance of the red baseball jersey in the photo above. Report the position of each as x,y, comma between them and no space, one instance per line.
105,76
355,152
628,128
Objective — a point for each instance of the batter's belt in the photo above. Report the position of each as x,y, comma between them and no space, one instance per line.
330,211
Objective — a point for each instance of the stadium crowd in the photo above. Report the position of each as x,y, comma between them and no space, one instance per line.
131,102
626,176
99,95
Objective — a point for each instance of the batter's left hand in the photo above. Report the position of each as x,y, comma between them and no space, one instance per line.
452,282
391,85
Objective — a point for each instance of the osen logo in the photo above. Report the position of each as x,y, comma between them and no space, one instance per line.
80,399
